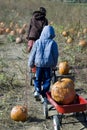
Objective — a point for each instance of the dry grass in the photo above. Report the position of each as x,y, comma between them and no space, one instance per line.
59,13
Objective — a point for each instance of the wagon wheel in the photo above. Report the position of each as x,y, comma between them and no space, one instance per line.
56,122
45,110
53,79
85,116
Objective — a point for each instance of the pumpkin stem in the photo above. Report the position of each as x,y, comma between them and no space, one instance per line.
23,109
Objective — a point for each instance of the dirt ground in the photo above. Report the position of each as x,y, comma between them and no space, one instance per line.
17,91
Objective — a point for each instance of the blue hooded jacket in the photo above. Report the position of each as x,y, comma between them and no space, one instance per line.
45,50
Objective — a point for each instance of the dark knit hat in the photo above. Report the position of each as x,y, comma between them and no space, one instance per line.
43,10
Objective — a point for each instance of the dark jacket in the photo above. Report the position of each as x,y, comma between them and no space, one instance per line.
38,21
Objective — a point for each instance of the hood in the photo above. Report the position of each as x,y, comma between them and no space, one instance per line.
48,32
38,15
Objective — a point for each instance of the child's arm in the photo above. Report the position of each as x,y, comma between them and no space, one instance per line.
55,53
31,60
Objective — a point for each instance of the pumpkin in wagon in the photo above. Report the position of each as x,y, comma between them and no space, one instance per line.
63,91
19,113
64,68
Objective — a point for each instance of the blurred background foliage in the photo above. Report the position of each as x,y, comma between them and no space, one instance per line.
61,13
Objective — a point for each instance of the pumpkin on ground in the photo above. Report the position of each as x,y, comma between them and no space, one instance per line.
65,33
7,30
19,113
18,40
83,43
69,40
12,33
21,31
63,91
63,68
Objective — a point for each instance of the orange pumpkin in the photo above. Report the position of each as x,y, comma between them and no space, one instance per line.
63,68
7,30
21,31
2,24
65,33
63,91
18,40
19,113
83,43
12,33
69,40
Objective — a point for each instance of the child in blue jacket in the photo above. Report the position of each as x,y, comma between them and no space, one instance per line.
44,55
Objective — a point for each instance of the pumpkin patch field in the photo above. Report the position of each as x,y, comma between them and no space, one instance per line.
18,108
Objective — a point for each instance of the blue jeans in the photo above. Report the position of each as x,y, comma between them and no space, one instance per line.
43,80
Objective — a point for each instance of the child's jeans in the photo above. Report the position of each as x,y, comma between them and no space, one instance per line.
43,80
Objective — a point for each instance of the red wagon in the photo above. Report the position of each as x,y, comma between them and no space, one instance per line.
79,105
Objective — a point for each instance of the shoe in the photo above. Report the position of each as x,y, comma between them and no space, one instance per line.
43,99
37,96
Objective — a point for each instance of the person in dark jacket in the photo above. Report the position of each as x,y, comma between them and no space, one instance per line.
44,55
37,22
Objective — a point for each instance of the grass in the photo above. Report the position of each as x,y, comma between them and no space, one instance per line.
56,11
